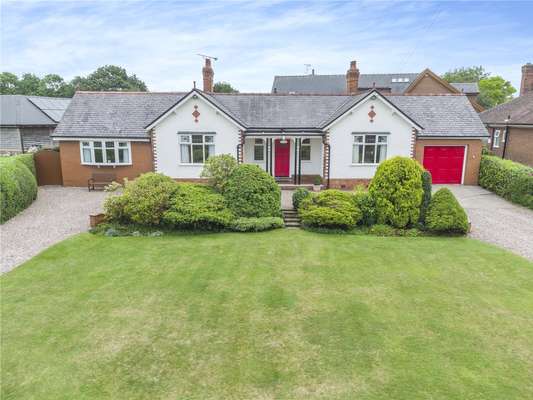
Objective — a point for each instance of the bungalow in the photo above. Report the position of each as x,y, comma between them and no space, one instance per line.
294,137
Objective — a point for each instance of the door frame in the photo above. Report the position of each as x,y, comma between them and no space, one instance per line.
465,146
288,144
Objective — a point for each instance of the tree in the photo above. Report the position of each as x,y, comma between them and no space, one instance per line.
468,74
109,78
8,83
224,87
494,90
55,85
29,84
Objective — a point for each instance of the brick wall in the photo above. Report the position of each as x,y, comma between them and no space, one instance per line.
519,145
76,174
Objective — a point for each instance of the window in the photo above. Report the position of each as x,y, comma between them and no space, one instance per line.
112,152
496,138
197,148
369,149
259,150
305,150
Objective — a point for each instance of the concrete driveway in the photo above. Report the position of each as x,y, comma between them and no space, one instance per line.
495,220
58,212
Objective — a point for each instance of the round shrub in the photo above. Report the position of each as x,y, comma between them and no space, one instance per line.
299,195
426,198
197,207
445,214
218,169
397,191
28,161
251,192
143,201
18,187
330,209
365,202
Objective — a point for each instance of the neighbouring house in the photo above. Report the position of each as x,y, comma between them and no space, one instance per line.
510,125
28,121
353,82
341,138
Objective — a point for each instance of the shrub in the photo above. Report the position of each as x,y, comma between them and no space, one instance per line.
513,181
445,214
299,195
426,198
197,207
365,202
18,186
218,169
28,161
244,224
251,192
397,191
382,230
331,209
143,201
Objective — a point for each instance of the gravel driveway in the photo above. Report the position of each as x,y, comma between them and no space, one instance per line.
58,212
495,220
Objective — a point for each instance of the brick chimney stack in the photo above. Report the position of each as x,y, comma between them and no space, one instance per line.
526,85
208,74
352,78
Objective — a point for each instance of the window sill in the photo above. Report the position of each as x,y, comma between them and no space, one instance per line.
364,165
106,164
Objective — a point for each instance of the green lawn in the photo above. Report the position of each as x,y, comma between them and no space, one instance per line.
274,315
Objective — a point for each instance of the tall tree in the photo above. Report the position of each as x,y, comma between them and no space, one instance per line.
55,85
224,87
8,83
109,78
29,84
466,74
494,90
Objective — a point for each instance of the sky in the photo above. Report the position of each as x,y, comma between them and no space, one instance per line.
254,41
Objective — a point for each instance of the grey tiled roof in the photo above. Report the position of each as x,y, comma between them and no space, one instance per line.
466,87
127,114
20,110
116,114
520,110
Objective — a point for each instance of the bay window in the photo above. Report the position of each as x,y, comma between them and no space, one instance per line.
196,148
105,152
369,148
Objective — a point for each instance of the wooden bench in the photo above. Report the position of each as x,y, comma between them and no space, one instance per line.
100,180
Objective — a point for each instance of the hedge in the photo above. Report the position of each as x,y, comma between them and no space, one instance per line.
445,214
18,185
511,180
330,209
244,224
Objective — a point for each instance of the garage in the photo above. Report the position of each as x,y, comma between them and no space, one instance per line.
445,163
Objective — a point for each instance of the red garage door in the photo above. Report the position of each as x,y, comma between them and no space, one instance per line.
445,163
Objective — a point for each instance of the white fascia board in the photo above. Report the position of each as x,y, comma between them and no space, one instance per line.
115,138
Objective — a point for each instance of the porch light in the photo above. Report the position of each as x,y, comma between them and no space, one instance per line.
283,140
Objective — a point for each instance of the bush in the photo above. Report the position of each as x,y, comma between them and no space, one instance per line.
18,186
299,195
251,192
365,202
256,224
330,209
143,201
197,207
28,161
397,191
382,230
426,198
218,169
445,214
513,181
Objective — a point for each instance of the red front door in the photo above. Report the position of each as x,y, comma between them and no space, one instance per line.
445,163
282,154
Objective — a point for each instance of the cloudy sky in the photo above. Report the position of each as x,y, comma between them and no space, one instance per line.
159,40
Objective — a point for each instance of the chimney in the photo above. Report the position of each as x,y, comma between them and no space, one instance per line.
208,74
526,85
352,79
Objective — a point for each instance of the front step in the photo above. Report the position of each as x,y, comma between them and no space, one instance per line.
291,218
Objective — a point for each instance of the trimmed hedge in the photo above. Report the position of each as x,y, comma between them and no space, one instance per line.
511,180
28,161
445,214
397,191
330,209
18,186
244,224
197,207
299,195
426,198
251,192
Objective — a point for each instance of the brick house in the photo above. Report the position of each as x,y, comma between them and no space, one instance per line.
28,121
419,83
294,137
510,125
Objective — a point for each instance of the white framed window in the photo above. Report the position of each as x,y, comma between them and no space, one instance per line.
105,152
497,138
305,150
196,148
369,148
259,150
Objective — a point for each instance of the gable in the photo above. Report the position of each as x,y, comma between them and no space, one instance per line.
430,83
